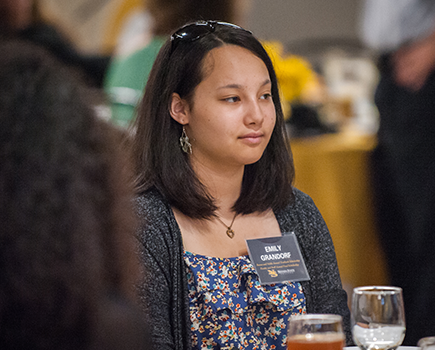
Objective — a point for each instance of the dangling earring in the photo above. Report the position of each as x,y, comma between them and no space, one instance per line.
186,146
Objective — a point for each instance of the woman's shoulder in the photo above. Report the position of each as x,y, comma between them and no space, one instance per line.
150,203
300,213
157,231
302,201
306,208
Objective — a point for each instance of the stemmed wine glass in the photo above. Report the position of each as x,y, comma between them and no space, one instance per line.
315,332
378,317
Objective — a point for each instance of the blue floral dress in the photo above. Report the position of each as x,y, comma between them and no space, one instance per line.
230,309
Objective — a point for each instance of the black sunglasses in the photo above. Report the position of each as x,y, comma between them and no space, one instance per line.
194,31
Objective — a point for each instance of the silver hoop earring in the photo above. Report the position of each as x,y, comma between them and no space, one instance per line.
186,146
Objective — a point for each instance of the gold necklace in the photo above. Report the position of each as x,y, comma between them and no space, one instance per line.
230,232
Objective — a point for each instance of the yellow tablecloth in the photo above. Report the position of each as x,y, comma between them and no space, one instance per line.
333,170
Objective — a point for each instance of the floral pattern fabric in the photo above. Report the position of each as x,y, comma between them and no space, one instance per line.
230,309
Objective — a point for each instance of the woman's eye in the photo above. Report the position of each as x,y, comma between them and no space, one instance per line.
232,99
266,96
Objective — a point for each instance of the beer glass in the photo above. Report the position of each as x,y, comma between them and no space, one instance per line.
315,332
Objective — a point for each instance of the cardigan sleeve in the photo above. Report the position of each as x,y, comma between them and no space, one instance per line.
162,289
325,291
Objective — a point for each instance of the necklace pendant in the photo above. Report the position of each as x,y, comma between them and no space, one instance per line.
230,233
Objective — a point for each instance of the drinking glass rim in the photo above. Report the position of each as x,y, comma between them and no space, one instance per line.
317,317
377,289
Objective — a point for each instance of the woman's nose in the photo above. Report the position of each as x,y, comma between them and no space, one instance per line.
254,113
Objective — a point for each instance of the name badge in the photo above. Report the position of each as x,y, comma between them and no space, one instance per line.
277,259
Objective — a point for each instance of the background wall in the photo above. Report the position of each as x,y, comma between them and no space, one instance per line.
87,22
294,20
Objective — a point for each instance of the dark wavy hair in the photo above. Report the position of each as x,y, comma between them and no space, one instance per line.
66,228
161,163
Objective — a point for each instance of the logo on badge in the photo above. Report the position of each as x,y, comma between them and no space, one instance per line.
272,273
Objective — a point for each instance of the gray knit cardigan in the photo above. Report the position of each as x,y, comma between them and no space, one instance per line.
163,291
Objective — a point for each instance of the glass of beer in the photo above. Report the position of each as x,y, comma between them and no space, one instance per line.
378,317
315,332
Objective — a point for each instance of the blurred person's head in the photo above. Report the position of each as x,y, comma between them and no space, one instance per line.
168,15
66,242
16,15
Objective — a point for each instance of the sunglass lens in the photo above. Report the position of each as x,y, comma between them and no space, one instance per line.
194,31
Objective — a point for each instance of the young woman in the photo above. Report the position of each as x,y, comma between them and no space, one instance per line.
214,170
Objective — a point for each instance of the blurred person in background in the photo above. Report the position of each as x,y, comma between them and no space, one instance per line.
67,260
403,32
22,19
127,75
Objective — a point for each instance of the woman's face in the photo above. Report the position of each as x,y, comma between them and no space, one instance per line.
232,115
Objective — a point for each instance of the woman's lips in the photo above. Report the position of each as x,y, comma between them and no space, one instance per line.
252,138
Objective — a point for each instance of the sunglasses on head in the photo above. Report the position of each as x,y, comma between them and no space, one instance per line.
194,31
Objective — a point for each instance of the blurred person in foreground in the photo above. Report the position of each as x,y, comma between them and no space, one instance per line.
127,75
214,170
403,33
22,19
68,266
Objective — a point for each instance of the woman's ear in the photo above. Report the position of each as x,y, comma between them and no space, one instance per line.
179,109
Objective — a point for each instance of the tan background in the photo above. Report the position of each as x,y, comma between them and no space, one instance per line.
92,24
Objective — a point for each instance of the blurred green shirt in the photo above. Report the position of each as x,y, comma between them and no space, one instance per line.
125,81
